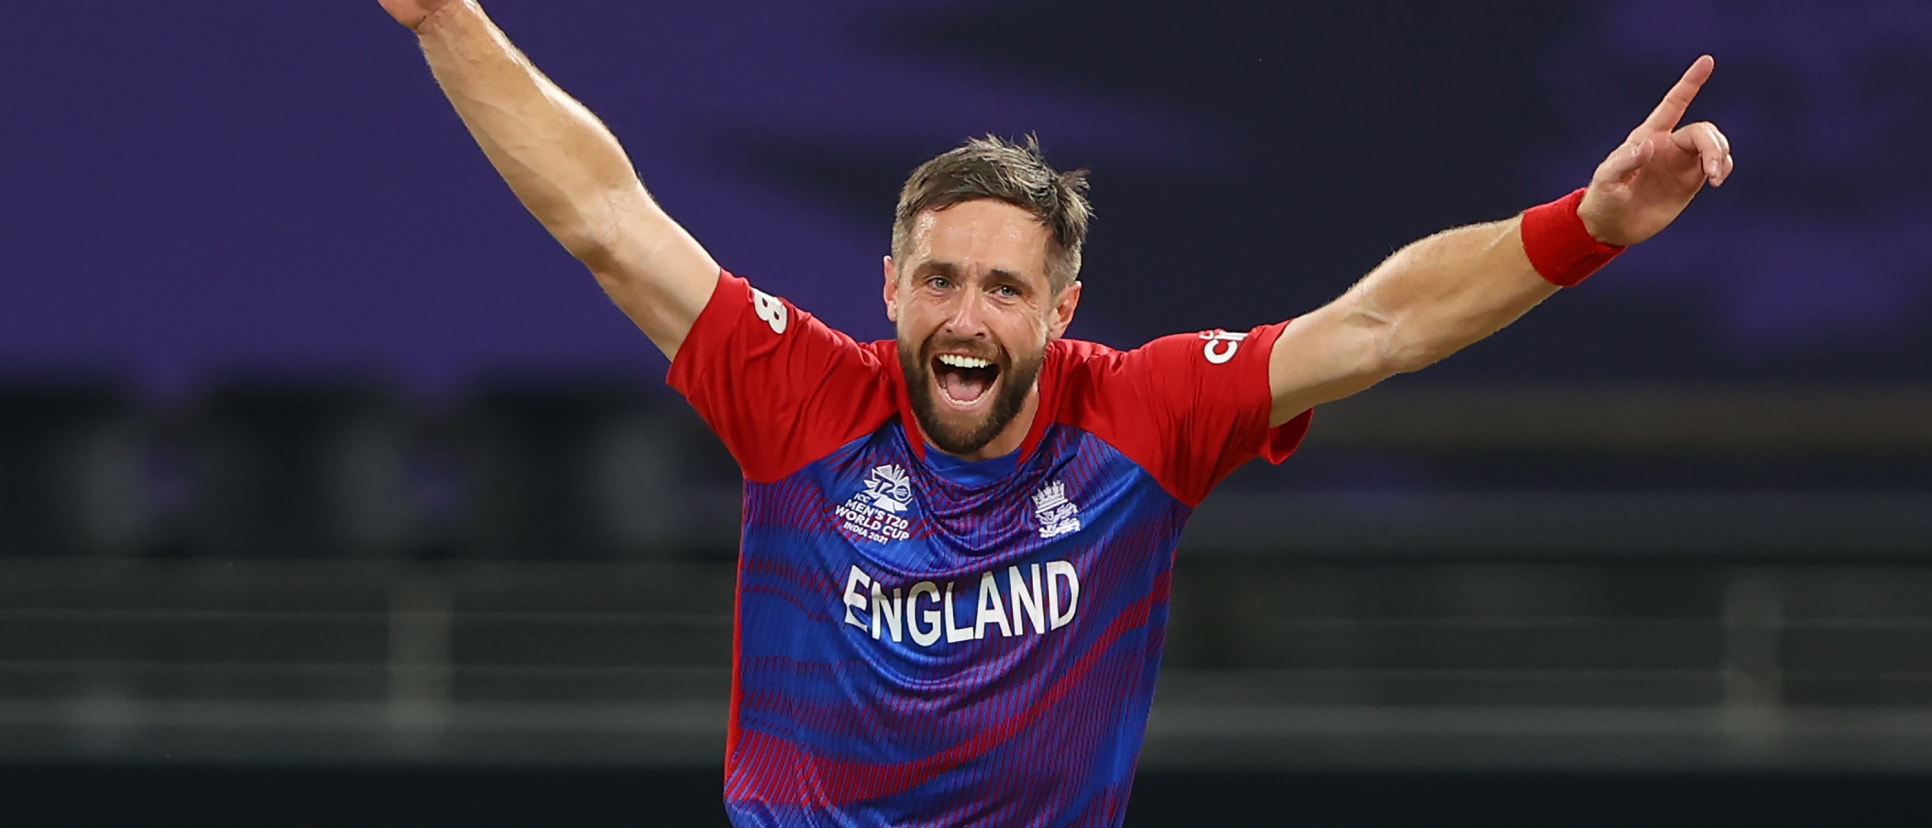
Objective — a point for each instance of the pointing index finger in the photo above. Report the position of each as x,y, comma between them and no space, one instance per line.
1665,117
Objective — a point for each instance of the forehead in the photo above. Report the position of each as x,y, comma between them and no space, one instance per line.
985,233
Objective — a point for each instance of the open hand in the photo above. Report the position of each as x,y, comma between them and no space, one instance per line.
412,13
1645,183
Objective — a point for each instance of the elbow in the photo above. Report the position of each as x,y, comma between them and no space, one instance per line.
1393,344
595,253
588,235
1402,355
1407,355
589,227
1404,342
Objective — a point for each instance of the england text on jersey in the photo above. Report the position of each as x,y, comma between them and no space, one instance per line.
1031,602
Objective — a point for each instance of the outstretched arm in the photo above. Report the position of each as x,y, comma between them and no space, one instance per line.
566,167
1439,295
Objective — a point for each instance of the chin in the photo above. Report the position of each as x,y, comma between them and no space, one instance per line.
965,395
961,437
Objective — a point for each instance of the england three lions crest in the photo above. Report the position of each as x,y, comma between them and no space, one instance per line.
1057,515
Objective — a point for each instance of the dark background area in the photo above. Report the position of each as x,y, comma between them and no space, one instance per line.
301,797
255,190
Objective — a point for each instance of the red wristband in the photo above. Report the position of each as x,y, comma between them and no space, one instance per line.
1558,245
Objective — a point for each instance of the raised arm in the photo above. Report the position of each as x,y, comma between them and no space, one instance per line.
1439,295
566,167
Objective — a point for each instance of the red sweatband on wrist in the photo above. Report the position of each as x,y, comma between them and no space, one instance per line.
1558,245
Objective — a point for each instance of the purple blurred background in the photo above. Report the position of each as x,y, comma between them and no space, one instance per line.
248,189
1664,541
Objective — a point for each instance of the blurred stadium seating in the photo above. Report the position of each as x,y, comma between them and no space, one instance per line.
1482,579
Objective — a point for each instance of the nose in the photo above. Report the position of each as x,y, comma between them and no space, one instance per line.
968,318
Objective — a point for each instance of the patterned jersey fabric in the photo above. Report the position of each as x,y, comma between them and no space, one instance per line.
922,640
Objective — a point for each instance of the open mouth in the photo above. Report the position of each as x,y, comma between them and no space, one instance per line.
964,380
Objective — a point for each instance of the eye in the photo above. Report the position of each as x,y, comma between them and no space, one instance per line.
1007,291
938,282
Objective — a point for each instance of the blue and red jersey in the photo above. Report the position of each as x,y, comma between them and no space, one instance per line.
922,640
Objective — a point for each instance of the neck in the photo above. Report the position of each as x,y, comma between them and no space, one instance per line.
1009,438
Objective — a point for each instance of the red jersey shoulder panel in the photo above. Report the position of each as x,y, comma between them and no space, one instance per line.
1189,408
780,387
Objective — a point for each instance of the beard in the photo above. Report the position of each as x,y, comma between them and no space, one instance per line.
953,434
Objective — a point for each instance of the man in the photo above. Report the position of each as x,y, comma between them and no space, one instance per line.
954,575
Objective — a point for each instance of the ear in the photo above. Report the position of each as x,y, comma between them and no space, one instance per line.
1063,307
891,292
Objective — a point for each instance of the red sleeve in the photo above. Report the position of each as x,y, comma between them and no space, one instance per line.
1191,408
778,386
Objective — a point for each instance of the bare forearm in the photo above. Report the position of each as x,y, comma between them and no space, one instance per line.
571,174
1442,293
556,156
1438,295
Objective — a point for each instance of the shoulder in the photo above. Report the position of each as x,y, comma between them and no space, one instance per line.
880,352
779,387
1079,351
1188,407
1087,384
1090,367
1080,359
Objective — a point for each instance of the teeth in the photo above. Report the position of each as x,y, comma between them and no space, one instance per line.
957,361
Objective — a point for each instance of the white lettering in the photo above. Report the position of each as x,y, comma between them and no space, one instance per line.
1036,601
991,610
771,310
1054,570
893,611
1032,602
929,636
954,634
872,523
853,598
1221,345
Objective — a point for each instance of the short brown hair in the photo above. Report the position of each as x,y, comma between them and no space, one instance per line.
992,167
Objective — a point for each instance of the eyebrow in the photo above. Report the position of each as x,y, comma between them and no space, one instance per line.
951,271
